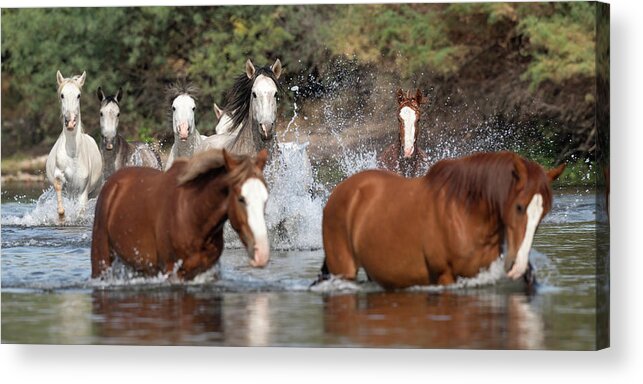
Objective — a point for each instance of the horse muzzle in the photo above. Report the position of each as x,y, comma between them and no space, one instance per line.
408,152
71,122
184,131
259,253
265,129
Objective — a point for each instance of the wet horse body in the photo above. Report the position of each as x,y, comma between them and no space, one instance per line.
404,157
164,222
74,165
451,222
116,151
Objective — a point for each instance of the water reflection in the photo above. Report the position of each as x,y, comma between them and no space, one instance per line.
157,317
435,320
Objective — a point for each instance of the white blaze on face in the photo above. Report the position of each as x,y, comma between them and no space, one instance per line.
109,120
534,213
70,104
255,194
264,103
408,117
183,115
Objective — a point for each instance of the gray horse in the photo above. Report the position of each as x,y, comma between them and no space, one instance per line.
117,152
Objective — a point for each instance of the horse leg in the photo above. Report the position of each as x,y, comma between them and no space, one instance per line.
58,187
446,278
101,254
82,203
339,259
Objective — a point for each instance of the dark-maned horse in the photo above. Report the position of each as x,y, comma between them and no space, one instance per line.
160,222
429,230
404,156
118,152
252,104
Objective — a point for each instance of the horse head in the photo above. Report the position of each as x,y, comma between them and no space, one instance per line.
109,116
69,90
247,202
263,102
408,116
528,202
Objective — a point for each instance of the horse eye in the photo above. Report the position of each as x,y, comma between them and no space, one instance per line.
193,108
174,109
520,208
101,114
254,95
242,199
78,97
118,114
62,96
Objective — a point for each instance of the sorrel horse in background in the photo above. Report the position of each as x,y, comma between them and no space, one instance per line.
252,105
430,230
187,140
405,157
74,163
164,222
117,152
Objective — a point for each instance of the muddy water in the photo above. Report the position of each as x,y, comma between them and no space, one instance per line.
48,296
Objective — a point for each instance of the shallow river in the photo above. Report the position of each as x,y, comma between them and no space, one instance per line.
48,296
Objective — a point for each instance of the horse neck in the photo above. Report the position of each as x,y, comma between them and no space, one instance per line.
188,147
208,202
73,139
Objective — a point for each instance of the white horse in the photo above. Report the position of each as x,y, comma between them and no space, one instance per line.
251,109
225,122
187,140
74,163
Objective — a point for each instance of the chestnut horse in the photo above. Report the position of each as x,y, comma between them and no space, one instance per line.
451,222
160,222
404,157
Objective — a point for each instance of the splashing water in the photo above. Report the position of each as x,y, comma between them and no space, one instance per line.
45,212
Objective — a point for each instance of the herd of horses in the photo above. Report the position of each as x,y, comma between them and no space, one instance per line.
403,225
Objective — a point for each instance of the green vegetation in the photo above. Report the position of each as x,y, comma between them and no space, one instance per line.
537,49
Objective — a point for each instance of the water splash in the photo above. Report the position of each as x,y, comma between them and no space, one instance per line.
45,212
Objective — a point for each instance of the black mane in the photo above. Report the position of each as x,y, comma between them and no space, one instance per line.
238,97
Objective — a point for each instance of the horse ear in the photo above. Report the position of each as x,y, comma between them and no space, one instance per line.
250,69
262,158
419,98
400,96
229,161
276,68
519,172
81,80
59,78
100,94
119,95
554,173
217,111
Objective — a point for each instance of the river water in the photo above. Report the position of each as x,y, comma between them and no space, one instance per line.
49,298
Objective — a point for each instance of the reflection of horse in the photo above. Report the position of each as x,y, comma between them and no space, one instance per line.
117,152
74,162
430,230
404,157
172,317
436,320
165,221
187,140
252,108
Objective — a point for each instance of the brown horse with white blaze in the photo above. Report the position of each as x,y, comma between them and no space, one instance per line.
404,156
161,222
451,222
